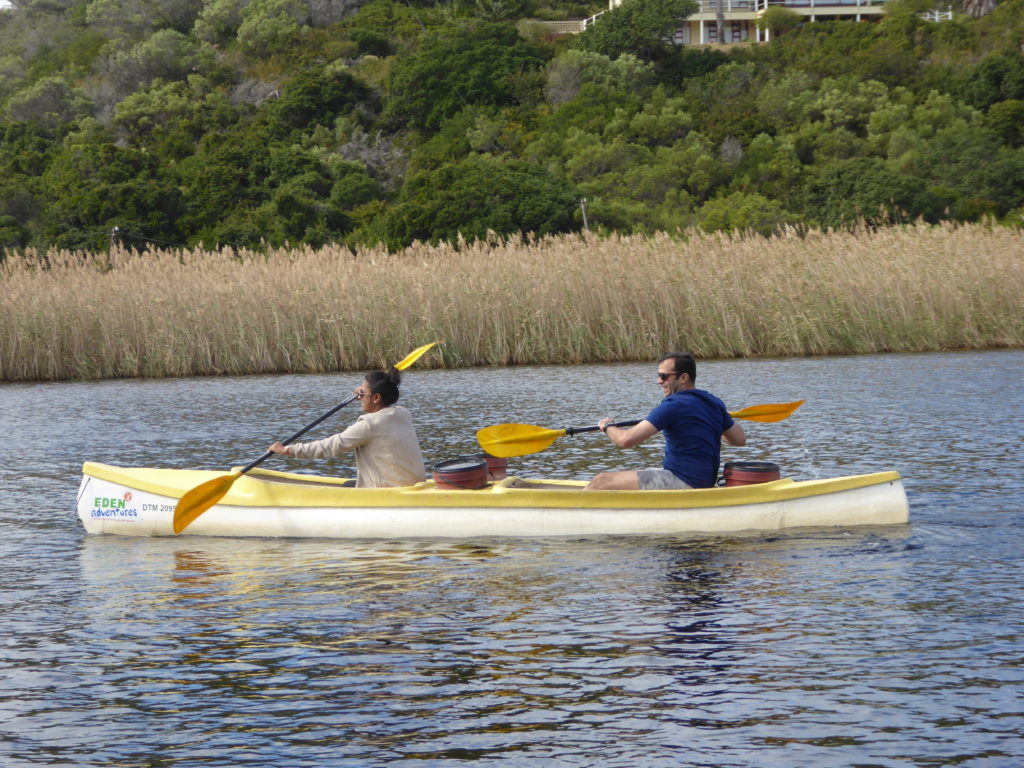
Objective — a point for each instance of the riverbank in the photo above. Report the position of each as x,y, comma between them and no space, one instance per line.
564,299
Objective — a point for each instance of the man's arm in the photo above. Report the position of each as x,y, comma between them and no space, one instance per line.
734,435
627,437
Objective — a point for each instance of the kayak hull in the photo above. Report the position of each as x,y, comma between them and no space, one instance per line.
264,503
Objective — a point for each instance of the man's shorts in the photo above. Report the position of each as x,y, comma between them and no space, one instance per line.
659,480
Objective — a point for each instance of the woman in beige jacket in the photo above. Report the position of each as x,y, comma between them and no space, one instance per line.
383,437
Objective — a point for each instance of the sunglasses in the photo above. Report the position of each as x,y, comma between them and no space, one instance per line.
666,376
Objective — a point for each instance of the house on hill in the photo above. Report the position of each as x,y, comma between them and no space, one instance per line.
741,18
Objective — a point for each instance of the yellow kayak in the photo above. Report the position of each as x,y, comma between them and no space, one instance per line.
141,502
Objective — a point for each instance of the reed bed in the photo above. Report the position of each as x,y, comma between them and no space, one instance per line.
564,299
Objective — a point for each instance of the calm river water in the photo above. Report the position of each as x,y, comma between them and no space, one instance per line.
898,646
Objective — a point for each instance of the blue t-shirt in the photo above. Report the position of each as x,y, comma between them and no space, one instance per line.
692,421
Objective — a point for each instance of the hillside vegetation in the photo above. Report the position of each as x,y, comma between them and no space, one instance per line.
255,123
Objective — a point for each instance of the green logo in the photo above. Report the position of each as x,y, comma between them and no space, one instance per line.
101,503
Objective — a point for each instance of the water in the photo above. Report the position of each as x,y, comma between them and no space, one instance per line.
895,646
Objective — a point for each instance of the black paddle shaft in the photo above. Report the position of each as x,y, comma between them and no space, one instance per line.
595,428
300,433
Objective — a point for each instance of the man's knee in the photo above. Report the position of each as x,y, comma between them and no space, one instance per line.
613,481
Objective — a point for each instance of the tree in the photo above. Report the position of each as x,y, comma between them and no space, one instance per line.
13,233
502,10
316,96
219,20
971,162
590,158
166,54
779,20
225,175
51,103
639,27
788,98
457,66
848,103
353,187
304,211
271,26
626,173
25,151
93,185
661,121
592,109
997,77
400,24
170,117
1006,120
126,19
474,196
574,68
724,103
744,212
883,52
770,167
863,188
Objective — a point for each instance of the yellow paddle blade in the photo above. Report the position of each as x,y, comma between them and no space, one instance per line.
504,440
201,498
767,412
415,355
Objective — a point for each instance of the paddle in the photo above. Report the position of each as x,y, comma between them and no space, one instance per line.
205,495
504,440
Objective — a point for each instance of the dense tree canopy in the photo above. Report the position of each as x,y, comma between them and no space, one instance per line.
477,195
455,66
250,122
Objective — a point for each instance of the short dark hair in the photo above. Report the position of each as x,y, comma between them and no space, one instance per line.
385,384
682,362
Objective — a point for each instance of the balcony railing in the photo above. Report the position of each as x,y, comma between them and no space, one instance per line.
711,6
707,7
570,27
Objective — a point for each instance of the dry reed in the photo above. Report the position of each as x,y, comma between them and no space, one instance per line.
565,299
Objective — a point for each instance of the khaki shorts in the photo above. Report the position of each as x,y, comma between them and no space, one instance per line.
659,480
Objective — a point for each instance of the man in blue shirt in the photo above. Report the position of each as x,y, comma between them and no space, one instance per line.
695,424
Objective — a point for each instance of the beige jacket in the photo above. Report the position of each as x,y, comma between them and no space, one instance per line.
386,447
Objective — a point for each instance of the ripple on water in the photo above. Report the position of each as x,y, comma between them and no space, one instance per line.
892,646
